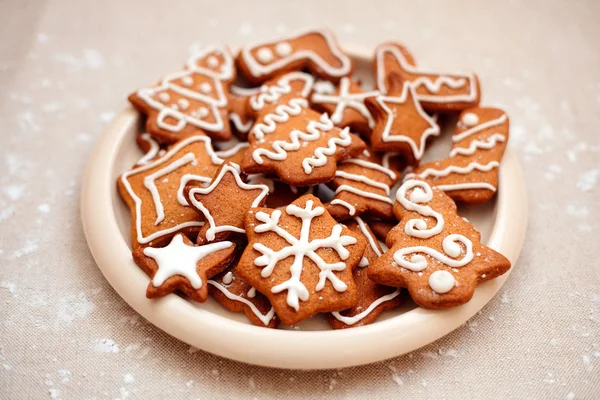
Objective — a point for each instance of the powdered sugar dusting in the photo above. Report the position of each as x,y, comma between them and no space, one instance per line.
73,307
587,180
106,346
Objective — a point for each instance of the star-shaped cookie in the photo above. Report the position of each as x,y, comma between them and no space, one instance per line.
191,102
182,266
345,105
155,194
401,125
433,251
362,186
224,203
373,299
301,259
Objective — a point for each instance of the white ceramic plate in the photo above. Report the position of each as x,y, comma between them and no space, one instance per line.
312,344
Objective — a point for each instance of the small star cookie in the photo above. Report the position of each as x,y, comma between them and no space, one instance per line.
182,266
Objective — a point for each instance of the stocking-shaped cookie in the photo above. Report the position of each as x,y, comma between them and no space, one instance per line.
315,50
361,186
470,173
154,191
241,122
182,266
301,259
227,187
373,299
401,125
191,102
433,251
233,293
436,91
345,105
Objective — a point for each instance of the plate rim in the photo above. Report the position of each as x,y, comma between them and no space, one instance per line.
271,347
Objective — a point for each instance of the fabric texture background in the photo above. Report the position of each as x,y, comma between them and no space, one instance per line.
65,70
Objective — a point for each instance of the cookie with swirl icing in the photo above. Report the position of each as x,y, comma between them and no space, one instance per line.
191,102
316,50
433,252
470,173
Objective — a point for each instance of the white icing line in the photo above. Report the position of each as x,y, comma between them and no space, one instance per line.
437,173
264,318
358,317
371,165
233,150
281,114
239,124
350,207
486,125
367,234
152,152
486,144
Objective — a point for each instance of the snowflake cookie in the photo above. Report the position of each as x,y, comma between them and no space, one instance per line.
470,173
373,299
433,251
191,102
435,91
316,50
301,259
182,266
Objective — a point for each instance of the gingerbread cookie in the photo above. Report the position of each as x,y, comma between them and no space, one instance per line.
433,251
373,299
241,122
233,293
154,192
401,125
315,50
345,105
381,228
182,266
435,91
362,186
226,188
233,154
191,102
470,173
299,145
301,259
150,147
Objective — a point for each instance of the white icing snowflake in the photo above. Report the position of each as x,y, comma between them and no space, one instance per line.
300,248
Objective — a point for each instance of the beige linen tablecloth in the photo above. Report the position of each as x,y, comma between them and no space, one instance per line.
65,70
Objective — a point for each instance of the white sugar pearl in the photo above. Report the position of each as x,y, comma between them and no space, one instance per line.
469,120
205,87
264,55
283,49
164,97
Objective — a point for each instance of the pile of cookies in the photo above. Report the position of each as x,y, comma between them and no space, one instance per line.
267,183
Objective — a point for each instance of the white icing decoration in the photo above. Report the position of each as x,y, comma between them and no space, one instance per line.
213,228
243,91
232,151
258,69
358,317
138,201
264,55
441,281
433,129
422,193
320,154
367,234
476,129
227,278
164,97
350,207
344,99
152,152
283,49
183,104
187,81
469,119
364,262
213,62
454,81
473,166
364,179
240,126
185,179
251,293
450,246
282,113
324,87
170,83
486,144
272,94
301,248
180,259
264,318
205,87
371,165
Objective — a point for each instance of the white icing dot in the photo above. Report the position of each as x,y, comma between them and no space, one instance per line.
283,49
200,113
441,281
264,55
187,81
251,293
164,97
205,87
228,278
324,87
469,120
183,104
213,61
